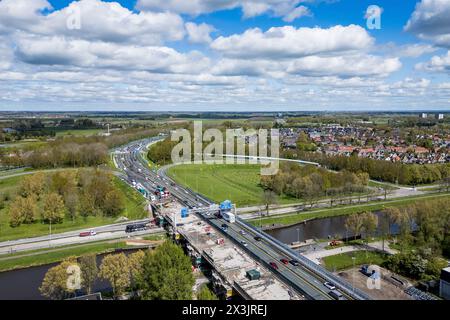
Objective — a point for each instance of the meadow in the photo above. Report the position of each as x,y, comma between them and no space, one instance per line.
238,183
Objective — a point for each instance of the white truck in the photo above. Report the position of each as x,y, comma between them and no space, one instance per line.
228,216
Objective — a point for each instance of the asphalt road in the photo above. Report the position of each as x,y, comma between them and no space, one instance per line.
301,278
116,231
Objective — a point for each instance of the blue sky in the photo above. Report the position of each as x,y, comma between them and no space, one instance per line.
230,55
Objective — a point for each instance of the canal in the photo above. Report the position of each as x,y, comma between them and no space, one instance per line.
23,284
325,228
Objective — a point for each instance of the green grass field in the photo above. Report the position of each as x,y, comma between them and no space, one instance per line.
344,260
238,183
134,209
81,132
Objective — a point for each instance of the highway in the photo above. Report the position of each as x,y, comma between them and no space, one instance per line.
307,278
109,232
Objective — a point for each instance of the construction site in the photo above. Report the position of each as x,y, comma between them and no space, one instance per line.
232,272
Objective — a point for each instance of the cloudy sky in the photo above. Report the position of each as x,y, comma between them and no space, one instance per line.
228,55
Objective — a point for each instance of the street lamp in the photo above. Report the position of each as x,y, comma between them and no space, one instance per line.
50,232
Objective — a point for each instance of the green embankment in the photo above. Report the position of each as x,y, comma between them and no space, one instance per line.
344,260
239,183
46,256
79,132
134,209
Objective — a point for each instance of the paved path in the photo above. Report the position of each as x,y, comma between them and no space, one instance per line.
319,254
379,246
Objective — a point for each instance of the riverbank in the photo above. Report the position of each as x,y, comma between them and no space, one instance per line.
288,220
49,256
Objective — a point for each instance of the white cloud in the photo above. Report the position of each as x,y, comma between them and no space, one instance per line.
300,11
127,57
436,64
289,42
199,33
82,53
250,8
430,21
100,21
14,14
414,50
345,66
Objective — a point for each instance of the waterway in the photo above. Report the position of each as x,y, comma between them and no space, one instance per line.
23,284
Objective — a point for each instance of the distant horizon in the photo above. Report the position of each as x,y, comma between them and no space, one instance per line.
444,111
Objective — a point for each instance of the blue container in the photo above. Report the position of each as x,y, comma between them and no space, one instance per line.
226,205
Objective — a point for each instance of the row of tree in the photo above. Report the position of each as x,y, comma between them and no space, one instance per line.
408,174
52,197
310,182
162,274
72,151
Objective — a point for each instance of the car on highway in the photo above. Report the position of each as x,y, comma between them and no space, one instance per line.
273,265
294,262
284,261
330,285
336,295
224,227
90,233
258,238
136,227
242,232
244,243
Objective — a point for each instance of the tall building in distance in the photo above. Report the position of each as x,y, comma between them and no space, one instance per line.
440,116
424,115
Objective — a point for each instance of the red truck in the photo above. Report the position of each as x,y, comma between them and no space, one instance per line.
88,233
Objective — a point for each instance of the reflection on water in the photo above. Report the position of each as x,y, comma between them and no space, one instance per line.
332,228
23,284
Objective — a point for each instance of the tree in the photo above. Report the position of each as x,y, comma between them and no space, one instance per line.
33,185
167,274
61,281
269,198
370,223
394,215
136,264
89,271
114,203
53,208
204,293
115,269
354,223
23,210
71,200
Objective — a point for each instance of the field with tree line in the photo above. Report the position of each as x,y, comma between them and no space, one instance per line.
68,199
405,174
72,151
